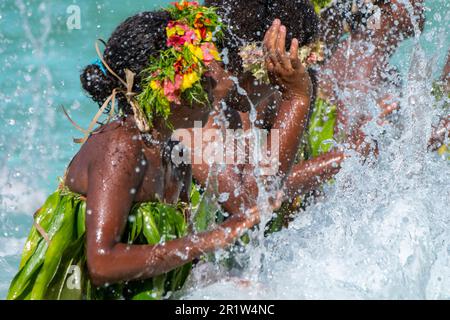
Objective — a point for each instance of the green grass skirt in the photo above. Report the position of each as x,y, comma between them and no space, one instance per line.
53,264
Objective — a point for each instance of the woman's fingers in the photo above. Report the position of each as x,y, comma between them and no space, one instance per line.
293,55
281,43
278,61
282,57
277,201
271,36
388,105
270,42
270,67
267,36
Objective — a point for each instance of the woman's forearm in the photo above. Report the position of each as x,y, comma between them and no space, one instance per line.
290,123
123,262
238,181
308,175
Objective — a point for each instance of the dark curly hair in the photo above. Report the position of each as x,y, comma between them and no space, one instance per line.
248,20
129,47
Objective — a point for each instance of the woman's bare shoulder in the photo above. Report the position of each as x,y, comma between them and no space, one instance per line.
117,145
119,135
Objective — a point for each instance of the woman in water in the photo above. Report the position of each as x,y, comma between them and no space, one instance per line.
118,225
288,24
328,121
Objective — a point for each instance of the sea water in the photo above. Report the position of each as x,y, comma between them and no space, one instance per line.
380,231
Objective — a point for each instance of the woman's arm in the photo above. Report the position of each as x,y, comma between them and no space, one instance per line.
309,175
286,71
395,18
113,181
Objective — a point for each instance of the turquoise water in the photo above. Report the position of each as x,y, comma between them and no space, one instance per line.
40,62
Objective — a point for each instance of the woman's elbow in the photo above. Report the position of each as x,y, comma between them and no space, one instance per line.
98,265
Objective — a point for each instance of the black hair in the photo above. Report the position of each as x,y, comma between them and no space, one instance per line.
130,46
248,20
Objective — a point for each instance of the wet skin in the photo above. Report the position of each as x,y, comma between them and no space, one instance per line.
332,22
364,74
274,112
292,103
117,168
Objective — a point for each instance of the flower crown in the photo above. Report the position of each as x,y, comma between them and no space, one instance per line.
253,58
176,73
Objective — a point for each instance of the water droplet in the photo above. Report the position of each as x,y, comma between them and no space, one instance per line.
223,197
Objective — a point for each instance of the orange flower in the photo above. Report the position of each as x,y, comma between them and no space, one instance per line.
198,22
185,4
179,65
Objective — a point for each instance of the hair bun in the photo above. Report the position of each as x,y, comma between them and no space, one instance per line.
98,85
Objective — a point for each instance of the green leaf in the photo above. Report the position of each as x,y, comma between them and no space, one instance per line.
150,227
28,272
34,262
59,242
81,218
73,256
43,218
321,128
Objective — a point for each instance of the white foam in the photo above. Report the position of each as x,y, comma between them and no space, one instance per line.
19,197
11,246
381,230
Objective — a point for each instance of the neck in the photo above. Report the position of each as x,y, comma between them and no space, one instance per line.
163,133
159,132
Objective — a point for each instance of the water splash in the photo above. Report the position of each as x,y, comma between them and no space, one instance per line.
380,231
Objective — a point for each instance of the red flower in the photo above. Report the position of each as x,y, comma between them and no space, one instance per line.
178,34
203,32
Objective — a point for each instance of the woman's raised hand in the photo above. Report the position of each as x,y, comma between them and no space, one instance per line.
223,82
285,68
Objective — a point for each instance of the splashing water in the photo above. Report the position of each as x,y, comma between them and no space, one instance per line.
380,231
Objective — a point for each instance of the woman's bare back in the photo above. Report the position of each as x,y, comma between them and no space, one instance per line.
121,140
